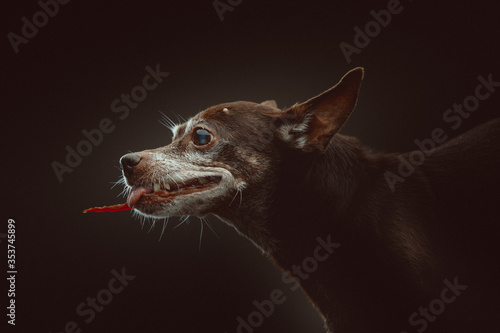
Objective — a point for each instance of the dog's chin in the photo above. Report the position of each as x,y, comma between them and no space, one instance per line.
199,199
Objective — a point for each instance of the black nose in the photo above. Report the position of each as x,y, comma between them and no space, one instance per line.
128,162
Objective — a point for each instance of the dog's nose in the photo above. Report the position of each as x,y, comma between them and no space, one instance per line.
128,162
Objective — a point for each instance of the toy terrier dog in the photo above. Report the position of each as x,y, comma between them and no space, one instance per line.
419,256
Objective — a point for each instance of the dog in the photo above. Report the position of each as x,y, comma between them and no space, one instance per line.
423,256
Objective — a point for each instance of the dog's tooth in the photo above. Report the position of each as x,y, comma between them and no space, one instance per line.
156,187
167,186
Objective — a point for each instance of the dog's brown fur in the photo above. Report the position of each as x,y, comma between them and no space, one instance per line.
299,180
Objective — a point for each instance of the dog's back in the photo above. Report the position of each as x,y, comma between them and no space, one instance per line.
463,175
463,172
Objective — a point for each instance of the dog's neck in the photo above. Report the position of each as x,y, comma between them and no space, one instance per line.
305,199
313,197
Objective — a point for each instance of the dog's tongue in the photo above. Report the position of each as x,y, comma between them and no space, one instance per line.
136,194
132,199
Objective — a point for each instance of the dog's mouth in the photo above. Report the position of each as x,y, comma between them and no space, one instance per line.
154,192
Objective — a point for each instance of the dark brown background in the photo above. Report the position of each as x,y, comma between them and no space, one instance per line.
65,78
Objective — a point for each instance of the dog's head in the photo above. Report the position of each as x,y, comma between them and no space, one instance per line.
225,159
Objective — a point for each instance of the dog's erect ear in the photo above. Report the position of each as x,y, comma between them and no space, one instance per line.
270,102
311,125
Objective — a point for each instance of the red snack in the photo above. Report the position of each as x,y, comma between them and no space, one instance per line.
115,208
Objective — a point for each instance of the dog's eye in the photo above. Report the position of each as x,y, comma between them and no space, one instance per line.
201,137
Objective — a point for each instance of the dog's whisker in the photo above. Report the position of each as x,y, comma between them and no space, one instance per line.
210,227
201,235
234,197
167,122
141,221
182,221
166,119
125,191
120,181
152,226
165,222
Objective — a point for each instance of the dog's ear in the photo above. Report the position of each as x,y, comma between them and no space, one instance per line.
311,125
270,102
